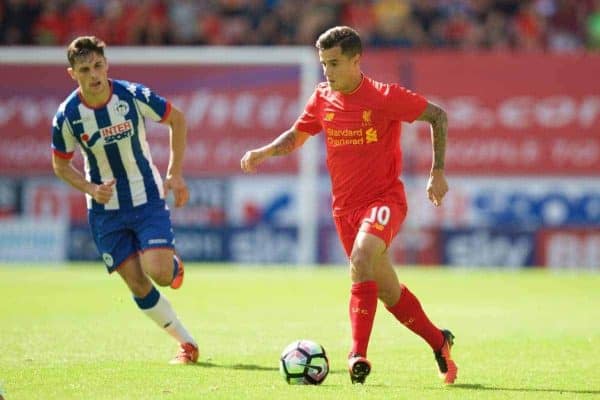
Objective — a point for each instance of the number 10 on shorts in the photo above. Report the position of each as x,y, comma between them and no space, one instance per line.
380,215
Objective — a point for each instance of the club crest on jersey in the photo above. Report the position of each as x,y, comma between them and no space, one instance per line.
366,117
122,107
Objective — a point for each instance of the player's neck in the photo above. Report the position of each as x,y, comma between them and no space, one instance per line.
354,84
96,99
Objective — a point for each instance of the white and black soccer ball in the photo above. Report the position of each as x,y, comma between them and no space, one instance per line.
304,362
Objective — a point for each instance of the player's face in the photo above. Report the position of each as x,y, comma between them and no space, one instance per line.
342,72
91,73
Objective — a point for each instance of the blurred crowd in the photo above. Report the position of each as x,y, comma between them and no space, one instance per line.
552,25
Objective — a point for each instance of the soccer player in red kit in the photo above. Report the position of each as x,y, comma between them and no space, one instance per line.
361,118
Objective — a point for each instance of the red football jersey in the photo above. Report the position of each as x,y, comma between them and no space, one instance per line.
362,131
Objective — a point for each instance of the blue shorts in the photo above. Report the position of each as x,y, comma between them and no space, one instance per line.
120,234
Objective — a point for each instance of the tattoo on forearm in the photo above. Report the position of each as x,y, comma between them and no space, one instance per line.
285,143
439,129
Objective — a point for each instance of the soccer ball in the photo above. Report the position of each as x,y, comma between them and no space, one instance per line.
304,362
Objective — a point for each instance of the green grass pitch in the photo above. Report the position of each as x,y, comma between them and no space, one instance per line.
72,332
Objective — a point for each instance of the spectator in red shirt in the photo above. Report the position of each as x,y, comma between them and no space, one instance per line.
50,28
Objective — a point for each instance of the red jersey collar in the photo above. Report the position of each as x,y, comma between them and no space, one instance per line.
362,79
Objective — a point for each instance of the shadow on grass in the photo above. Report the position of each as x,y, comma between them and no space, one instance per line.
479,386
247,367
456,386
252,367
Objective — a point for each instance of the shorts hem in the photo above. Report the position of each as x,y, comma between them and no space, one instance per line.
162,246
116,267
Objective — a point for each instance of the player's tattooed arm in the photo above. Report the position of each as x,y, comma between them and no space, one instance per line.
437,187
438,119
287,142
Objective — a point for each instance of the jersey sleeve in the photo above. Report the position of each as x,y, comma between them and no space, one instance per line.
309,122
151,105
403,104
63,141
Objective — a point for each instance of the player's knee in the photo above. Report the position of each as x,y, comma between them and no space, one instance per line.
359,259
163,278
159,267
360,266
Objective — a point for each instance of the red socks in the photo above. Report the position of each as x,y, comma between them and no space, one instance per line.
409,312
363,304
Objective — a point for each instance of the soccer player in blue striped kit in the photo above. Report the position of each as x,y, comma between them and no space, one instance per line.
125,194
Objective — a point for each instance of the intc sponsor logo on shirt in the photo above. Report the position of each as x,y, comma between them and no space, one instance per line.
110,134
116,132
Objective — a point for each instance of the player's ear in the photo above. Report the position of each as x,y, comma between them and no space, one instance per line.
71,73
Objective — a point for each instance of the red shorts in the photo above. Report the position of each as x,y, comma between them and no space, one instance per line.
382,218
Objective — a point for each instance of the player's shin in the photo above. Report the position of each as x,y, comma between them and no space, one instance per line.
363,304
159,309
409,312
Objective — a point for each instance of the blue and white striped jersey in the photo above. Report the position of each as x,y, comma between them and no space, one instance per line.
112,139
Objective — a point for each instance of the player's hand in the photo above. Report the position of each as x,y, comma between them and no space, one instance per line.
437,187
252,159
177,184
102,193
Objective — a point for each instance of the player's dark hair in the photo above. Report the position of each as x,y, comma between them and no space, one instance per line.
343,36
83,46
